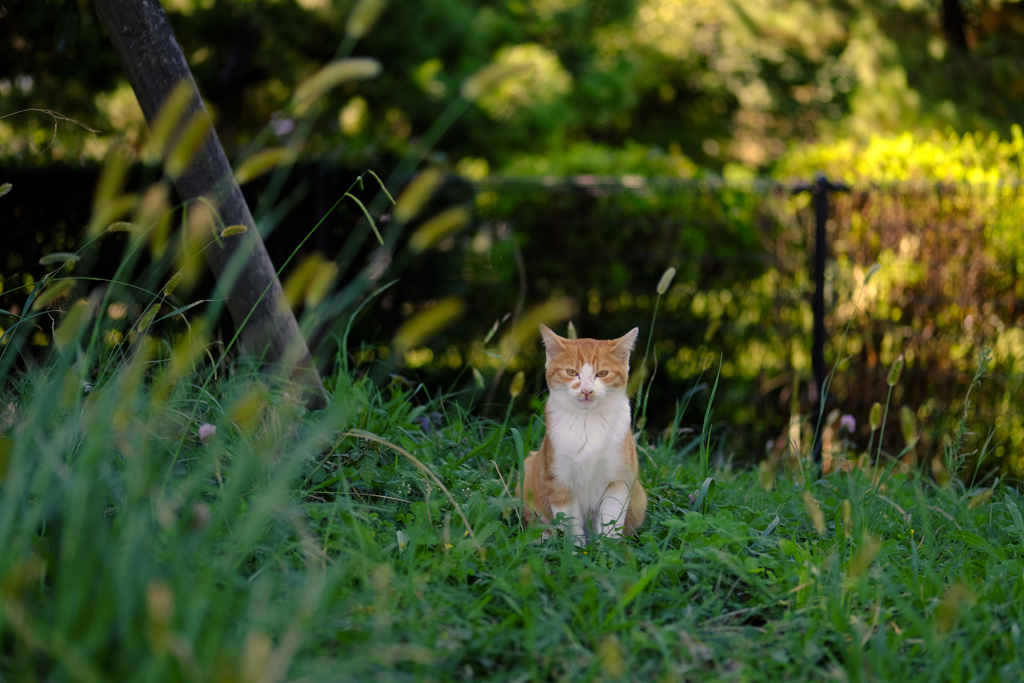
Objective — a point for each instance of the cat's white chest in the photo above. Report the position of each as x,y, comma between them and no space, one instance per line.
588,449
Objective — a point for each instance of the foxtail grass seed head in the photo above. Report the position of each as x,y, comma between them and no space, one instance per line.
188,144
439,227
58,257
173,283
5,188
160,601
516,387
666,280
610,656
908,422
248,409
980,499
814,510
256,655
171,113
417,193
549,313
425,324
488,78
571,332
867,551
637,377
478,378
200,226
847,519
320,283
296,286
894,373
232,230
109,203
766,475
364,15
153,213
875,416
53,292
939,472
336,73
122,226
147,318
957,599
264,162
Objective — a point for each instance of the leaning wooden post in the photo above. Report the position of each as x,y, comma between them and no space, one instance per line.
155,66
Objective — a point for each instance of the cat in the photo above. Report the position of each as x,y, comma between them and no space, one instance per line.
586,468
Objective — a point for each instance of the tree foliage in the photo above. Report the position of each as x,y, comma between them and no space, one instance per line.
717,82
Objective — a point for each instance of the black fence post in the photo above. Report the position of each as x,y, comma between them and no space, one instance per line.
820,189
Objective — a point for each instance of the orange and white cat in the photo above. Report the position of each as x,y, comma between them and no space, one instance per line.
586,468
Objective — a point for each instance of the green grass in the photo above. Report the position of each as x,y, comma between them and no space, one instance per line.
293,546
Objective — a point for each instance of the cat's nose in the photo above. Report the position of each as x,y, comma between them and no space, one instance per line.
587,393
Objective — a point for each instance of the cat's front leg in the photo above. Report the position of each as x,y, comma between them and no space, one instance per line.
612,513
572,522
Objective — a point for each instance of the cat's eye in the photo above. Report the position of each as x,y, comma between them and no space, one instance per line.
603,373
570,372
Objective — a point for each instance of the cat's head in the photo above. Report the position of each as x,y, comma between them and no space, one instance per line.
583,373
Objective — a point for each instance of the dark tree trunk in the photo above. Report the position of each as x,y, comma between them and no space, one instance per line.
953,22
155,65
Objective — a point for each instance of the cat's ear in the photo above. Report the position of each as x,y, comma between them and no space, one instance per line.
624,345
553,344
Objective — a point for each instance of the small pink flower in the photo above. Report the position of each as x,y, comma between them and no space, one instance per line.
206,432
848,423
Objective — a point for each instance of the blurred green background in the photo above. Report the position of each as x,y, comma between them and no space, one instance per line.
636,136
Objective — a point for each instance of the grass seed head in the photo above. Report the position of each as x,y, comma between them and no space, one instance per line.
875,416
609,654
908,422
171,113
424,325
173,283
939,472
894,372
188,144
666,280
154,214
5,188
364,15
417,193
335,74
814,510
264,162
516,387
439,227
58,257
488,78
232,230
866,553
